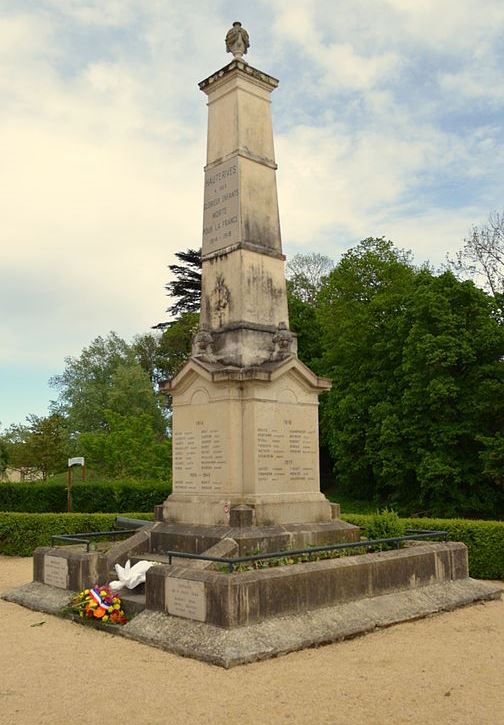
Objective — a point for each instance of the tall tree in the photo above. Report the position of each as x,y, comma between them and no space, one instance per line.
146,349
128,446
40,445
4,456
131,394
359,305
303,320
452,406
106,376
305,273
417,403
185,288
482,255
175,343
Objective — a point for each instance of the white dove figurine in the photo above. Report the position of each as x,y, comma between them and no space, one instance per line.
129,576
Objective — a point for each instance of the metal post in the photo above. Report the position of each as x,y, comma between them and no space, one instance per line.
69,489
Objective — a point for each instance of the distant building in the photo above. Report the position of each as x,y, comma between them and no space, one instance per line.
20,475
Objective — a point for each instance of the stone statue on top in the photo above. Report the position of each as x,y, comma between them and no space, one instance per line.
237,41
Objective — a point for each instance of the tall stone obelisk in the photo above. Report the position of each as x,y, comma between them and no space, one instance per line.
245,409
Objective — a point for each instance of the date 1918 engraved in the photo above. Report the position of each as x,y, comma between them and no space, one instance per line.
284,456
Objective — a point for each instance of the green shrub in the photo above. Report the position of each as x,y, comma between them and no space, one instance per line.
21,533
87,497
384,524
484,540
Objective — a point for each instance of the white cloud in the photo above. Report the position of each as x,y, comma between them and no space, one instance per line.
99,188
349,186
102,143
112,13
340,64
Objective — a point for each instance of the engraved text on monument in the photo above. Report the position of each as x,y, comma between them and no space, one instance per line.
221,208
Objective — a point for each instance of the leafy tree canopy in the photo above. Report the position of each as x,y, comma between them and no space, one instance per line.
175,343
4,456
305,274
128,447
106,376
42,444
417,401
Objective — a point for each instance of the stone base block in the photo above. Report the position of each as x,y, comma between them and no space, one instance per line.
66,567
274,637
250,539
269,509
244,598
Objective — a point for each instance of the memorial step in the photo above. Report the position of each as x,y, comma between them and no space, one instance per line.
149,556
133,601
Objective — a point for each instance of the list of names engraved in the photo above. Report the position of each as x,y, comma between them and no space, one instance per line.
221,207
285,455
198,460
186,598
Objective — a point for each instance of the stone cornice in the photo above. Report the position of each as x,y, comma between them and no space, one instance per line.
238,67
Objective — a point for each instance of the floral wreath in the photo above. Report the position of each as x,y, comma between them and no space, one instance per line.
99,603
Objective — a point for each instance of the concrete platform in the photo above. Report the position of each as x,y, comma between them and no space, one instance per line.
278,635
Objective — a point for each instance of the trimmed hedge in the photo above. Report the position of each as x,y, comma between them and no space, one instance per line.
484,540
21,533
87,497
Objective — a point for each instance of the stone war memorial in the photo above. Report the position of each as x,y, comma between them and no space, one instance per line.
245,452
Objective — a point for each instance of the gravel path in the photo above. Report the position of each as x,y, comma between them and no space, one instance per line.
445,669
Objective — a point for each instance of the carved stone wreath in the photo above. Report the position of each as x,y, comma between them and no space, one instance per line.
220,298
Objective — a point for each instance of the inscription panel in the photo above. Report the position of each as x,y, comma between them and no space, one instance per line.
186,598
199,460
221,207
56,571
285,456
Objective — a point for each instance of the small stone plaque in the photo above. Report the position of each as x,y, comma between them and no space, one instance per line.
186,598
56,571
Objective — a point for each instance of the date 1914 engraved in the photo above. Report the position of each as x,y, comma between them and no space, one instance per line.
198,460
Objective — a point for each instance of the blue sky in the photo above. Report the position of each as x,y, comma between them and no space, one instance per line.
389,120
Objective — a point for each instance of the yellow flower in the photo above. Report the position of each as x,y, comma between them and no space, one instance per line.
117,606
105,618
103,593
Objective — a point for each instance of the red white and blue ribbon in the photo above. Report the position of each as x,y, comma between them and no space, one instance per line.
95,593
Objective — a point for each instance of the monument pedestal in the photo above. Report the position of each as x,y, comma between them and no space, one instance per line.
246,437
245,409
